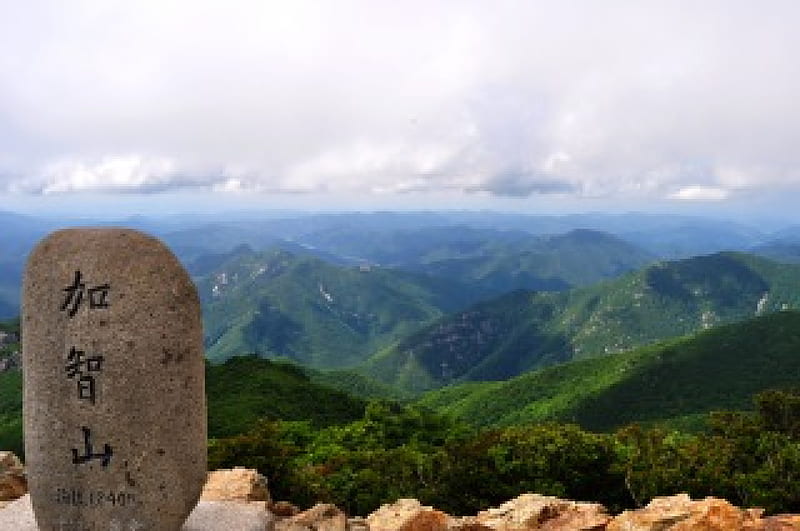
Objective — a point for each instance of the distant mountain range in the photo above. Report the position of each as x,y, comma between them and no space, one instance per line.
502,338
677,381
499,251
493,260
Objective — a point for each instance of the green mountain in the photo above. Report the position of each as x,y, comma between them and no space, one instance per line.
718,369
356,384
522,331
245,389
282,305
496,261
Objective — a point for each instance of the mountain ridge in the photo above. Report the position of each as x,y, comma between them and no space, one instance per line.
716,369
501,338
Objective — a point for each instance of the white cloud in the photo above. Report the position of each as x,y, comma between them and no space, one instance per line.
700,193
675,99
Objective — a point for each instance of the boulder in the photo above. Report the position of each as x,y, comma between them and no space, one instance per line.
534,511
237,484
714,514
407,515
13,483
321,517
680,513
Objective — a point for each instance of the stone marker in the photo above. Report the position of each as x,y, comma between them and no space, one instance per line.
114,399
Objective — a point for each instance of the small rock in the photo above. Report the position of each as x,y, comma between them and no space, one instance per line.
18,515
357,523
407,515
321,517
237,484
13,483
467,523
284,509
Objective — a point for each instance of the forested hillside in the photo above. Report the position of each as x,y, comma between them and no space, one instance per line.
280,304
523,331
674,381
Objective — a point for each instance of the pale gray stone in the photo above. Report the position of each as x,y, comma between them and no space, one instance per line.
207,516
229,516
114,399
18,516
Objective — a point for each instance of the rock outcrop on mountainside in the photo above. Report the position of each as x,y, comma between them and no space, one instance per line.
238,499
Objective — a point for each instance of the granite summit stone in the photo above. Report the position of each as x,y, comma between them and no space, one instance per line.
114,400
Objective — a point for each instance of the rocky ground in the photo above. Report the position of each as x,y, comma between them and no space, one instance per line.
239,500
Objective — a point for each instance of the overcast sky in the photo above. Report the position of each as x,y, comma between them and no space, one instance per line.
638,102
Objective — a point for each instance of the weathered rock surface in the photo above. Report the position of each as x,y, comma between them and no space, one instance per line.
114,400
680,513
229,516
18,515
533,511
237,484
13,483
207,516
786,522
407,515
321,517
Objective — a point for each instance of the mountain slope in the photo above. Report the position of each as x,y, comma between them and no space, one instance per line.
245,389
716,369
504,337
278,304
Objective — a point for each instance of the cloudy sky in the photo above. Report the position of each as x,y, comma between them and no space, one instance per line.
412,103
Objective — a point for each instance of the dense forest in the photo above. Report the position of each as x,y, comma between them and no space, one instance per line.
392,452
